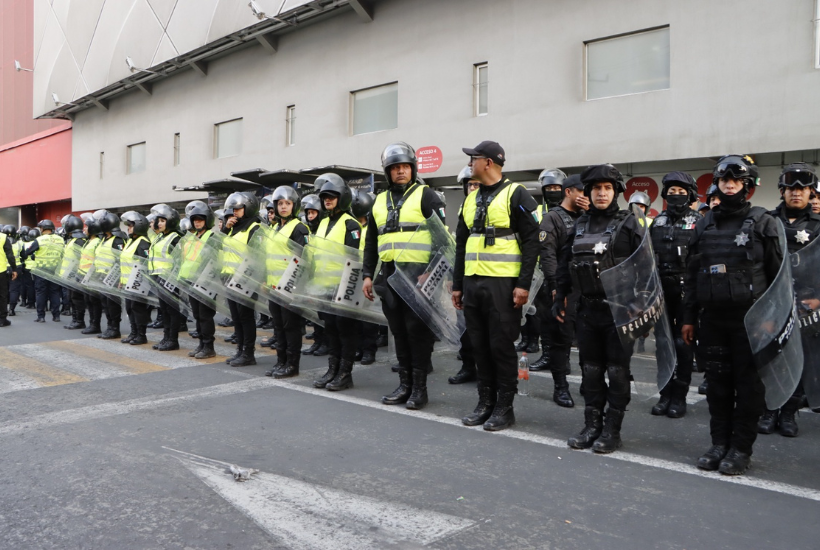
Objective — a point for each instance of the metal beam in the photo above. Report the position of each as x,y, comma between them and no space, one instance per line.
199,66
101,103
269,42
364,8
146,87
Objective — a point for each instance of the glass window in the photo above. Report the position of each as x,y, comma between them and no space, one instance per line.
228,138
176,149
628,64
102,164
481,87
375,109
290,125
135,158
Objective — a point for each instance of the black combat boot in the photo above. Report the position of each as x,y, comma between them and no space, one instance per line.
560,393
162,342
281,360
368,358
268,342
172,343
110,333
418,395
735,463
291,368
11,310
533,347
237,355
593,424
343,378
332,369
321,351
466,374
610,438
503,415
768,422
677,407
247,358
542,363
93,328
522,344
787,426
703,387
484,410
662,406
196,350
710,460
206,352
131,335
76,323
140,339
402,393
313,347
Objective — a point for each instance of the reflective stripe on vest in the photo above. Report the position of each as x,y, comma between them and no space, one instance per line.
322,259
277,252
50,252
230,258
104,257
67,256
503,259
16,248
87,255
127,258
4,262
159,255
191,250
391,244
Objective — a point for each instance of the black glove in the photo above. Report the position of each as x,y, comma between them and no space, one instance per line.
558,306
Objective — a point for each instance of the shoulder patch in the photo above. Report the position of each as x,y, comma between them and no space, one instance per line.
542,236
441,212
355,233
535,215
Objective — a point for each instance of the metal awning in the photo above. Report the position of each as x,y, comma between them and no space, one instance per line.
275,178
251,174
347,172
226,185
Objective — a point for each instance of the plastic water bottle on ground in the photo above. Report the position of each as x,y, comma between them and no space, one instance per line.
523,375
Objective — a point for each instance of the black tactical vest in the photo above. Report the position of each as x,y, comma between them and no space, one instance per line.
670,241
731,263
593,253
800,233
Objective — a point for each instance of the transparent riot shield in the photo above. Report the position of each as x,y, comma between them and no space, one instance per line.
104,280
806,273
246,283
68,272
535,287
635,296
427,287
135,286
198,276
332,282
770,323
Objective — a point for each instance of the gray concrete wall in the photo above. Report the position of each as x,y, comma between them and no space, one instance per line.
742,80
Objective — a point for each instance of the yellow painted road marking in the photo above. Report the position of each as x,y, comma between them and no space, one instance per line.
134,365
40,372
182,352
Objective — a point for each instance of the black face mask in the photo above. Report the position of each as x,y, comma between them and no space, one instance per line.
729,203
553,198
677,204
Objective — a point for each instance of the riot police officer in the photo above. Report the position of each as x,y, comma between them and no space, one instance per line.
136,226
555,228
312,211
14,277
734,256
104,260
361,207
643,201
496,253
802,226
287,324
604,237
396,215
202,220
93,303
8,272
160,262
671,232
74,230
49,246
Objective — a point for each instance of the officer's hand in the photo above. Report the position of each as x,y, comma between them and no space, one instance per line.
583,202
559,309
457,294
13,275
812,304
230,222
688,334
520,297
367,288
422,279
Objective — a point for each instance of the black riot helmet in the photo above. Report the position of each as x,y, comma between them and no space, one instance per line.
333,185
170,215
33,234
362,203
9,230
22,234
73,224
288,193
603,172
399,153
680,179
201,209
137,221
797,174
248,201
312,202
185,226
266,203
108,220
63,220
639,197
739,167
93,226
46,224
552,176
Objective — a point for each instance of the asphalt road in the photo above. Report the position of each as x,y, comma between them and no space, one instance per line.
111,446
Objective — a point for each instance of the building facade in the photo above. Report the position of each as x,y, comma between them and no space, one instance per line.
649,85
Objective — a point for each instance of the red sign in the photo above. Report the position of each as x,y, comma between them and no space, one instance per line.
647,185
429,159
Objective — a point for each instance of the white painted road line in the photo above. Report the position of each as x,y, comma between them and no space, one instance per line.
647,391
305,516
93,370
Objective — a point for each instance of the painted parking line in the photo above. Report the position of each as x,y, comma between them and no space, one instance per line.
32,373
78,347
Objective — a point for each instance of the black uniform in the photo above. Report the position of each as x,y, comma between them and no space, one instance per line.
138,313
5,278
733,257
671,233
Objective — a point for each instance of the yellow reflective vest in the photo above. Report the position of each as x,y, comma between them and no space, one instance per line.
159,255
395,240
191,250
277,252
231,260
49,253
327,268
4,263
104,258
88,253
503,259
127,258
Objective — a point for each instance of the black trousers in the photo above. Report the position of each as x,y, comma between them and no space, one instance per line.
94,306
560,335
369,336
78,301
5,279
735,394
414,340
65,293
170,320
29,295
113,312
531,330
341,336
467,353
244,324
602,356
493,324
287,326
46,291
138,315
15,288
204,317
682,376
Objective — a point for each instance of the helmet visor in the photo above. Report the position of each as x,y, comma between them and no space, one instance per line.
732,167
799,179
397,149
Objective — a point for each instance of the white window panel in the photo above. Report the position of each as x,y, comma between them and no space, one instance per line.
375,109
228,138
135,158
628,64
481,87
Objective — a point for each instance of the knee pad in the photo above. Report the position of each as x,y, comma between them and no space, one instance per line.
619,377
716,360
592,371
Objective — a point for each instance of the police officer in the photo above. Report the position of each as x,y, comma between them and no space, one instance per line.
136,227
93,302
397,213
76,238
555,229
241,223
670,233
202,220
643,201
341,333
802,226
104,260
733,242
312,211
8,272
26,279
160,262
15,281
467,373
361,207
604,237
287,324
49,246
496,253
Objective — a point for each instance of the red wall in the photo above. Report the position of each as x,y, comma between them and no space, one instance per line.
36,170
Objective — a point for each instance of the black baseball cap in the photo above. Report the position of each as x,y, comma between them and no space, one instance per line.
489,149
572,181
